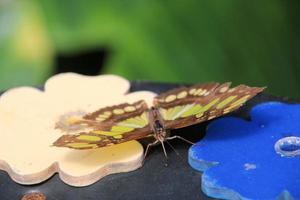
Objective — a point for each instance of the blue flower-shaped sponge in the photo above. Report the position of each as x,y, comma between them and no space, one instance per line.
256,159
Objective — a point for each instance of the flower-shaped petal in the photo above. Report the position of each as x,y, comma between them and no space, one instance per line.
239,158
27,121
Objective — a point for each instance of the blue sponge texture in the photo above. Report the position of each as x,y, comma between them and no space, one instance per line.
252,159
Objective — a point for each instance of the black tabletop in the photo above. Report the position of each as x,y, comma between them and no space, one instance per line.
154,180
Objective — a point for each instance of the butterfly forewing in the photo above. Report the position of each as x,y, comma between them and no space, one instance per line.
208,103
185,101
72,121
123,123
175,96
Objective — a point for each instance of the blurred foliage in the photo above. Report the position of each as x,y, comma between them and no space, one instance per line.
25,50
256,43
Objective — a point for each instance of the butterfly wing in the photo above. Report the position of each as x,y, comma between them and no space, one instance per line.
112,125
191,105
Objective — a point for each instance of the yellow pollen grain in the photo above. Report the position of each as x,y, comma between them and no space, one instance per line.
170,98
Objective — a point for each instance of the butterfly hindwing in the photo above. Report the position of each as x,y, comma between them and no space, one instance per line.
125,122
208,103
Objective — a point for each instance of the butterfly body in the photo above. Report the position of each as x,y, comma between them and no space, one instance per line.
157,124
173,109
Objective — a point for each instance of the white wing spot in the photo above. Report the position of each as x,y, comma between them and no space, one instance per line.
181,95
206,93
224,89
192,91
170,98
198,92
107,113
118,111
129,108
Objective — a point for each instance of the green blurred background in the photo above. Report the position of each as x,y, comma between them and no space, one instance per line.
252,42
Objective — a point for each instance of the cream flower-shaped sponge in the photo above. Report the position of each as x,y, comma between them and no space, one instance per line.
27,130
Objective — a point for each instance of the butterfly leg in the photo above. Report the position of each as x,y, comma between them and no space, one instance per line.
148,147
181,138
165,153
164,149
176,152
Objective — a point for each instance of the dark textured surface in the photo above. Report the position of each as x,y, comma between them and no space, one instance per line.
153,181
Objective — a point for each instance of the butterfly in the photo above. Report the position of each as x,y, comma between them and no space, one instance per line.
177,108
